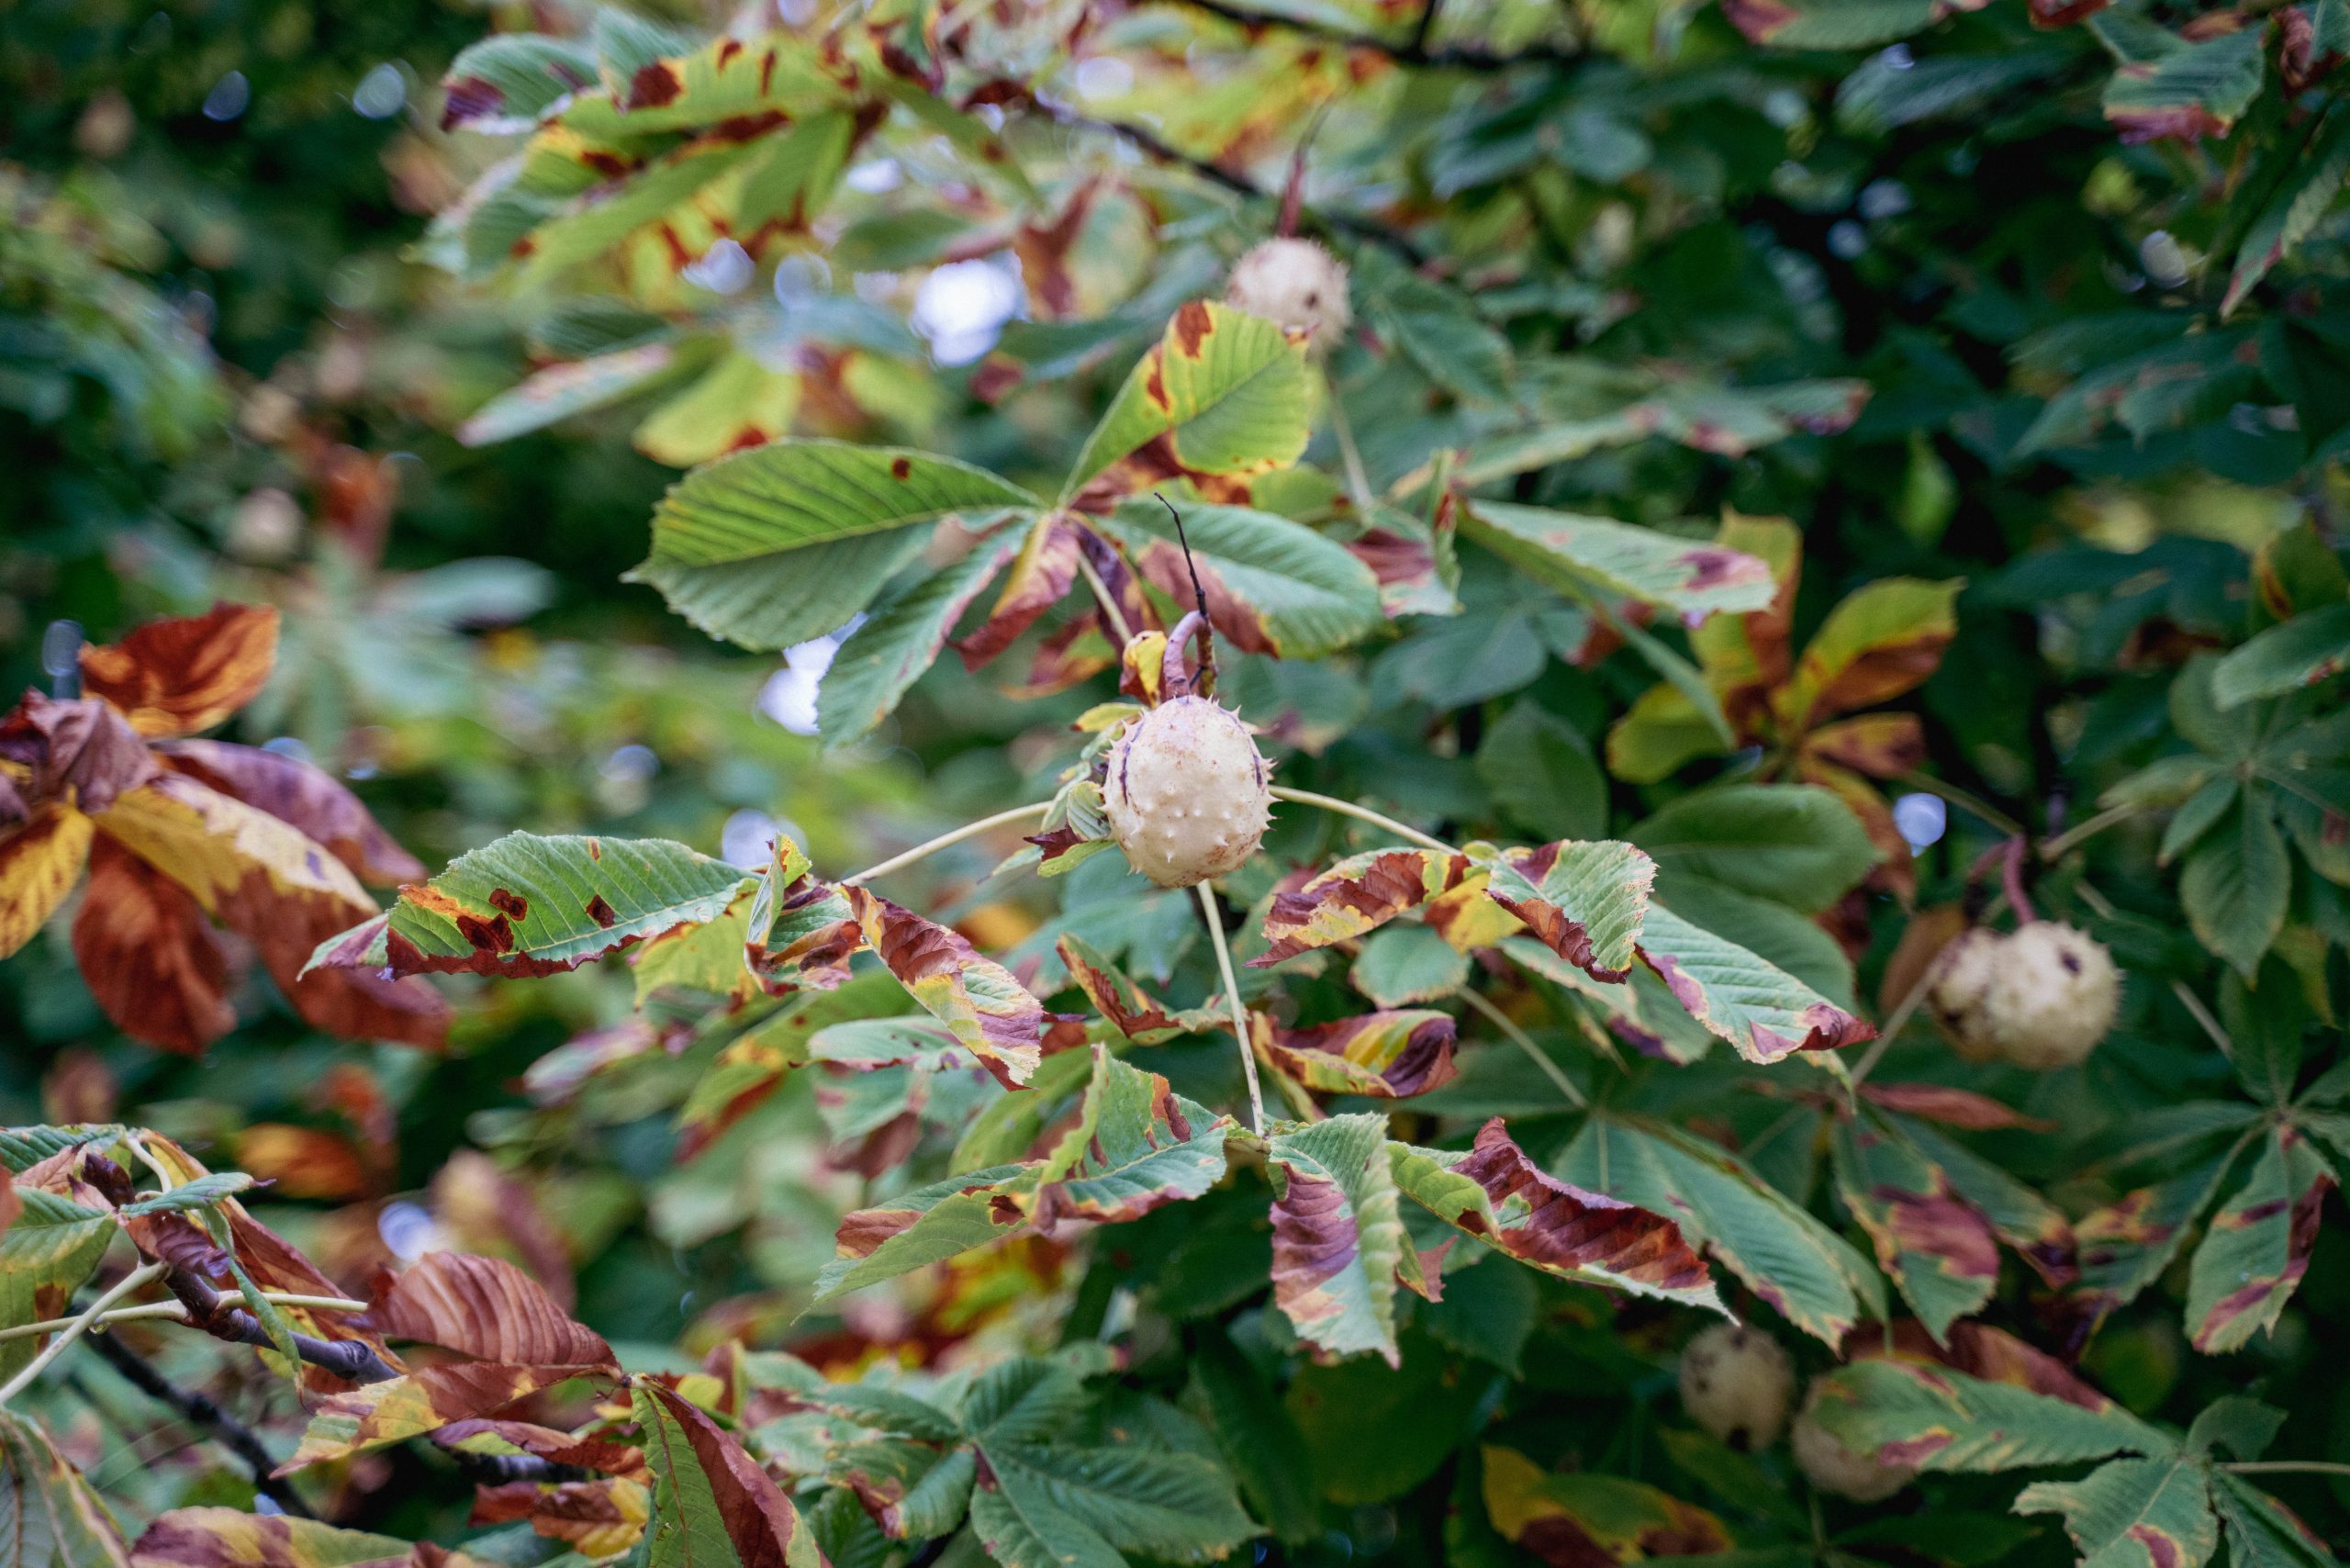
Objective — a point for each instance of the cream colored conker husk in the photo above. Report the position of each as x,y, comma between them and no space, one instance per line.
1737,1384
1187,794
1297,283
1832,1467
2040,998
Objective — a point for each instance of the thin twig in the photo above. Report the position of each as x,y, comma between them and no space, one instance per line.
200,1411
145,1275
1239,1010
2005,825
2074,837
173,1312
2287,1467
1525,1042
968,829
1903,1012
2103,907
1413,50
1362,813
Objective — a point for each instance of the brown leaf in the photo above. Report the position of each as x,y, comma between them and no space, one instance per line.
148,956
419,1402
300,793
39,863
487,1210
179,676
1952,1108
560,1448
80,752
303,1162
485,1308
599,1519
1358,895
977,998
1040,575
758,1518
11,1206
1546,1223
1386,1055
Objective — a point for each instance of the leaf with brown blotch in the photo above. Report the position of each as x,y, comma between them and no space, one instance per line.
149,957
1950,1107
483,1308
11,1206
1388,1055
1339,1236
1577,1520
1358,895
1040,575
977,998
376,1413
1981,1351
39,863
1585,900
1136,1146
1763,1012
185,673
1883,746
1129,1009
1497,1194
1937,1249
2258,1245
232,1538
711,1502
48,1515
801,932
599,1519
302,794
77,751
485,1435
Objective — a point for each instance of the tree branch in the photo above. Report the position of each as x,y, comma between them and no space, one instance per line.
211,1310
1413,50
199,1411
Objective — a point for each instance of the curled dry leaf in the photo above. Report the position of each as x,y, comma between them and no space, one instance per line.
483,1308
178,676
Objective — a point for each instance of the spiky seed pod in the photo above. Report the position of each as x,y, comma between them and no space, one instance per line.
1737,1384
2040,998
1832,1467
1297,283
1188,792
1960,991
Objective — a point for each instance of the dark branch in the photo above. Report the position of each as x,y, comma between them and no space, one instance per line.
1413,50
212,1311
499,1469
199,1411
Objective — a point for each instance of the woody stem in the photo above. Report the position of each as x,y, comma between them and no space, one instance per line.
968,829
173,1312
1362,813
1239,1013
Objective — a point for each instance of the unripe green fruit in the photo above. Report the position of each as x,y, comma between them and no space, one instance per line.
1737,1384
1187,792
1297,283
1832,1467
2040,998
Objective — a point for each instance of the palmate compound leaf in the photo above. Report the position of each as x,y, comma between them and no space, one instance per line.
1497,1194
1933,1417
48,1515
529,905
1224,396
713,1506
1789,1259
1047,1505
1339,1236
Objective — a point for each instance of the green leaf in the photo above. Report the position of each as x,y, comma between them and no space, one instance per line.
514,80
1588,902
1609,1517
2167,86
562,390
203,1193
1437,326
48,1515
1046,1506
2196,816
713,1505
1136,1146
2237,884
1787,1258
1541,775
2134,1513
2297,652
773,601
925,1225
2313,176
1795,844
902,638
2263,1532
1273,586
1494,1193
528,906
1337,1234
1223,393
1763,1012
1583,555
2257,1246
2125,1246
1903,1412
1261,1444
46,1253
1403,964
789,495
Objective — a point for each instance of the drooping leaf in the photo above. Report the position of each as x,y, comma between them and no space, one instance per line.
483,1308
1503,1199
218,1538
562,390
1902,1412
1136,1146
1937,1249
767,602
1763,1012
1880,641
1337,1235
1129,1009
1358,894
531,905
376,1413
901,639
2257,1246
46,1253
2133,1513
2168,87
2126,1245
2293,654
926,1224
300,793
1569,1518
40,860
2293,209
514,80
1387,1054
989,1011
